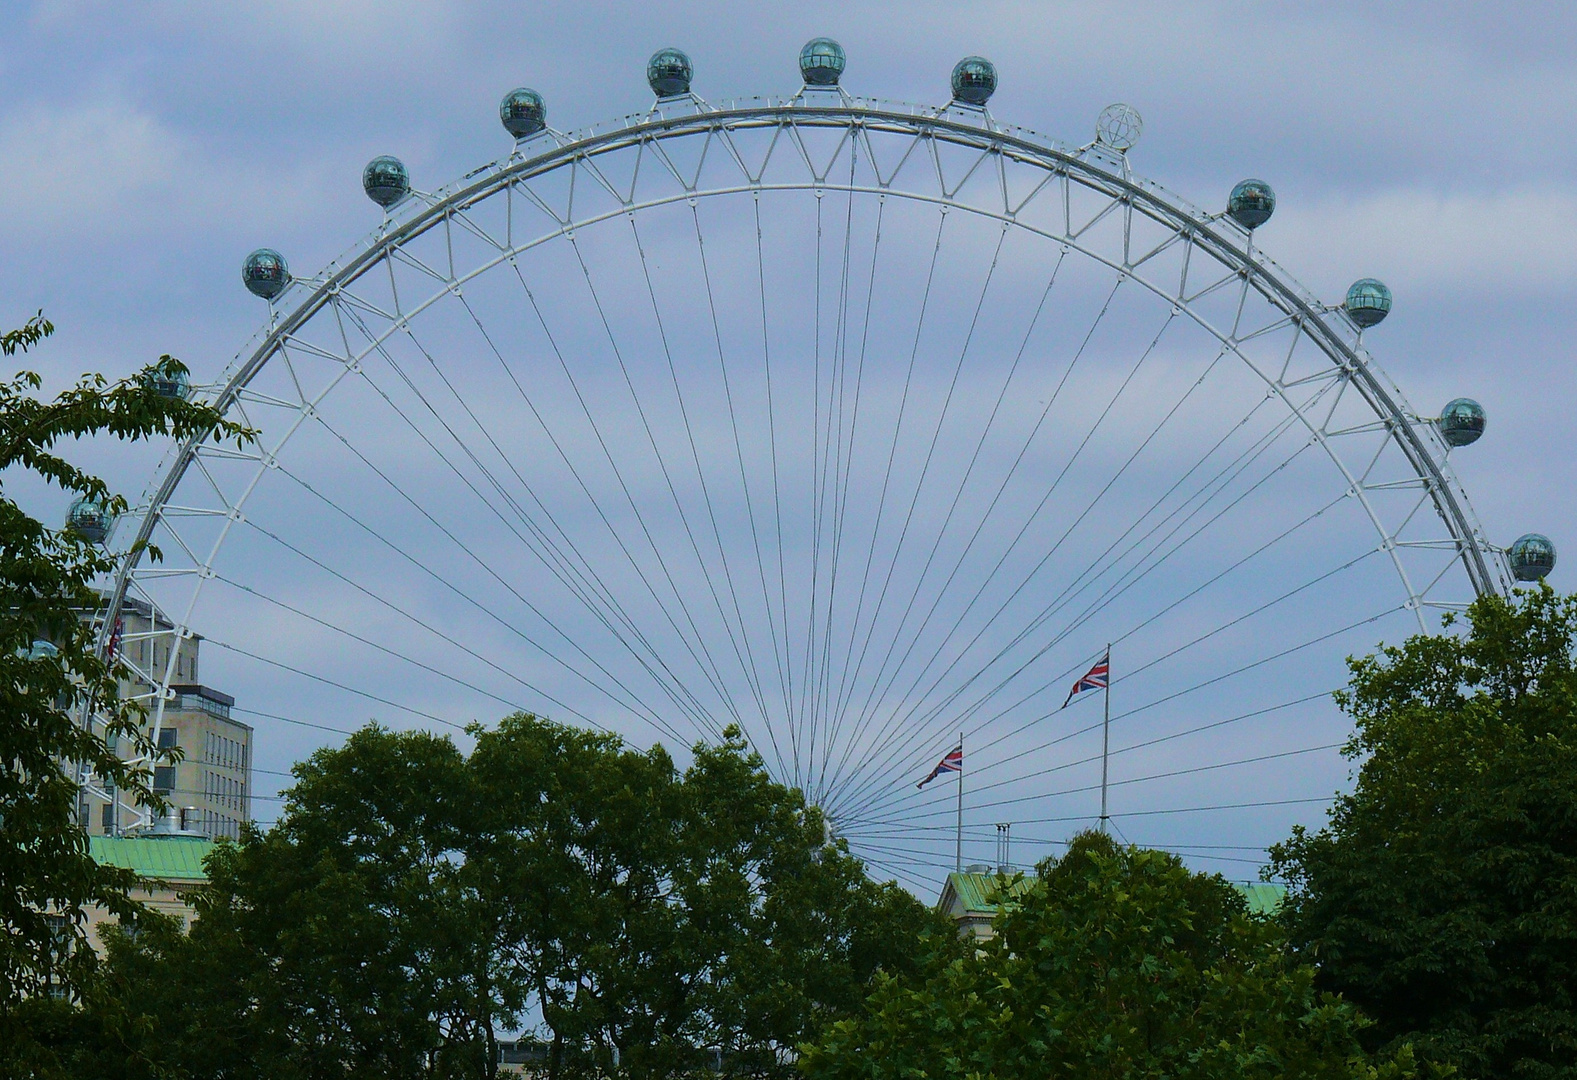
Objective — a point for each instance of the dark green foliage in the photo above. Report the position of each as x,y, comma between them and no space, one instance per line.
674,917
46,585
412,902
1442,896
1118,962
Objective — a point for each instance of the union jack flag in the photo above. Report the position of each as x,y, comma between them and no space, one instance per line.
1097,678
953,762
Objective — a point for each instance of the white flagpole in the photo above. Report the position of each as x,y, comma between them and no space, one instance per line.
1106,738
958,837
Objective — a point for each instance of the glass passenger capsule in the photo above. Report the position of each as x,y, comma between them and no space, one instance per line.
168,384
265,273
1251,203
1461,421
821,62
522,112
1531,556
43,650
974,80
668,73
385,180
90,519
1368,302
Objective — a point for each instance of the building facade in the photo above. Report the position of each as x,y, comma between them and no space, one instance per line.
204,764
972,899
168,867
209,788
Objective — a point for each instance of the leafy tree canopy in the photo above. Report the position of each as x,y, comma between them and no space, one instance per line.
1442,895
413,901
47,579
1117,962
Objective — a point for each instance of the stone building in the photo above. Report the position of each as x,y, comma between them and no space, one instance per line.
973,898
209,783
167,866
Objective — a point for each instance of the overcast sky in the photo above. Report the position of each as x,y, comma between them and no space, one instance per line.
145,148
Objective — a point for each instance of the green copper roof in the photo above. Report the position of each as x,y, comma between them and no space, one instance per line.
973,889
173,859
1263,898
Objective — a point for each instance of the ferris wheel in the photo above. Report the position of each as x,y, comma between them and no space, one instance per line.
867,428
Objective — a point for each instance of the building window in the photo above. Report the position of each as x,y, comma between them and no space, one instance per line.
60,935
203,703
107,816
164,779
168,738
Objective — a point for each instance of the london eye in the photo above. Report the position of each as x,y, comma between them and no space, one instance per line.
866,428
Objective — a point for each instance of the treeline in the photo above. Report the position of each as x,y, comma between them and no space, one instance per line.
1430,928
413,902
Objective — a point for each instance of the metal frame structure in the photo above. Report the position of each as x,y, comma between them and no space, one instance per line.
1217,258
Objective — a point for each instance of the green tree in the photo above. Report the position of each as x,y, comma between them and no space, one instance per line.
664,920
339,943
412,902
1117,962
47,583
1442,895
348,918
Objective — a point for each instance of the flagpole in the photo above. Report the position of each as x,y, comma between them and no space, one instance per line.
1106,737
958,837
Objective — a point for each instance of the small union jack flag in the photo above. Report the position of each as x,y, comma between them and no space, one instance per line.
1097,678
953,762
